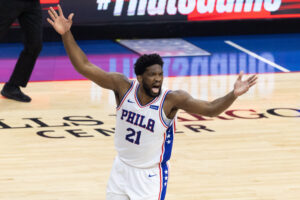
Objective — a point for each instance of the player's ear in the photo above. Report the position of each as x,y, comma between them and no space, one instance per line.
139,78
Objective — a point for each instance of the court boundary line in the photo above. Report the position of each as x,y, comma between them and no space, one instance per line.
256,56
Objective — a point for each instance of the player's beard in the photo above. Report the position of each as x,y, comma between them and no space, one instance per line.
149,92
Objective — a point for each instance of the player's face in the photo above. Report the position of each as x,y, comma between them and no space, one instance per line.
152,80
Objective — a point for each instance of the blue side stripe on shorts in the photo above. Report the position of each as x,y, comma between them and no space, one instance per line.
164,181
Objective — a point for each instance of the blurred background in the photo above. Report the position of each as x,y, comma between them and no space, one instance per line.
111,19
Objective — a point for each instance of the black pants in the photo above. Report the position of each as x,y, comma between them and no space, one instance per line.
29,15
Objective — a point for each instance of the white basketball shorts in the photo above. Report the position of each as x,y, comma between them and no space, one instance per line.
130,183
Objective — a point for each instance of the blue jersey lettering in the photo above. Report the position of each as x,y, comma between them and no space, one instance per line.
138,120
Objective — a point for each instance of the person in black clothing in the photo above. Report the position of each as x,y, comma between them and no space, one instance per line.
29,15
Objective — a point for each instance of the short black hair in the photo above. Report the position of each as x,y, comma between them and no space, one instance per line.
145,61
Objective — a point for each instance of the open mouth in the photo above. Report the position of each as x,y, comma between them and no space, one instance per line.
155,89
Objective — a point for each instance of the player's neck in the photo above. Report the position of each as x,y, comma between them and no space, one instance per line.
143,97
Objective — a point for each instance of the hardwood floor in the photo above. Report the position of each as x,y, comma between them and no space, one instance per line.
60,146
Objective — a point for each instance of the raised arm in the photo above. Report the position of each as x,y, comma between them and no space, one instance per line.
182,100
114,81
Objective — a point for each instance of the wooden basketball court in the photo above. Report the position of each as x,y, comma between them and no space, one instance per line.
60,146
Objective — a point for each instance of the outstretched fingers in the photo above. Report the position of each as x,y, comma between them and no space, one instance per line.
51,12
60,12
240,76
252,83
71,16
50,21
252,80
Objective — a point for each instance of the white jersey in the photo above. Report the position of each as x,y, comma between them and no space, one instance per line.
142,138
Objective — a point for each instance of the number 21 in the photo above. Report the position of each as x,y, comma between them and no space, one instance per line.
130,137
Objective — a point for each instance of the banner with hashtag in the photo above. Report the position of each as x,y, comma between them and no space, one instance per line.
91,12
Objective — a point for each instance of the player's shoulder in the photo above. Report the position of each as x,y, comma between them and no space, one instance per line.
121,79
119,76
176,95
122,84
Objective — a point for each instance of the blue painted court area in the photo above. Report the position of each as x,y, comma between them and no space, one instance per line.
229,55
283,50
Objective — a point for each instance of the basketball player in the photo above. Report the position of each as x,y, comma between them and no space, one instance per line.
146,114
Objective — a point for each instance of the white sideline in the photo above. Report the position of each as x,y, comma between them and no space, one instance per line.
256,56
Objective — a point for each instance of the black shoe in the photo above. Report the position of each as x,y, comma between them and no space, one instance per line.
13,92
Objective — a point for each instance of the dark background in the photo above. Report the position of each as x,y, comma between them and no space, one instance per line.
90,24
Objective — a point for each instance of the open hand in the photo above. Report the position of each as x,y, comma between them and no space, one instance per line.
241,87
59,22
